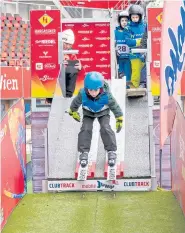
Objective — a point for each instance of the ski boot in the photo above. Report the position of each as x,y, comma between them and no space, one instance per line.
142,85
120,75
112,158
83,159
129,85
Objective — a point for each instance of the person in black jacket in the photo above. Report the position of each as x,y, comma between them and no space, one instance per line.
143,82
144,40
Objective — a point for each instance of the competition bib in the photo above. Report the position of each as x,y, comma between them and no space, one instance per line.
122,49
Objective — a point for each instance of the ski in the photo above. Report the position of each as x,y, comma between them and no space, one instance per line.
112,172
82,173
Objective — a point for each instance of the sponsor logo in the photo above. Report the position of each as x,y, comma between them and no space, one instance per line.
156,64
86,66
50,66
102,24
85,25
103,52
85,32
103,59
102,32
69,25
45,20
39,66
156,29
159,18
156,39
86,59
86,52
45,31
104,73
102,38
102,66
103,45
137,184
62,185
45,55
176,53
45,78
103,185
88,186
85,45
85,39
45,42
123,41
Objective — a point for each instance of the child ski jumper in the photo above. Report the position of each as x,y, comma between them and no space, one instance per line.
123,43
137,28
97,101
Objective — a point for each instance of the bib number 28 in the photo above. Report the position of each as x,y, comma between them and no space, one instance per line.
122,49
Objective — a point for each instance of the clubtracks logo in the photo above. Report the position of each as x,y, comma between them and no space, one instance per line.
45,20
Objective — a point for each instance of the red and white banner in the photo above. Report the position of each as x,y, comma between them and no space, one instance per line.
178,158
15,82
155,26
13,159
45,26
93,42
172,63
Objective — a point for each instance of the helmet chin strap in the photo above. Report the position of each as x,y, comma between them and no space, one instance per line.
121,26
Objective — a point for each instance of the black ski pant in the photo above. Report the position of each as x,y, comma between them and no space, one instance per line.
107,134
70,83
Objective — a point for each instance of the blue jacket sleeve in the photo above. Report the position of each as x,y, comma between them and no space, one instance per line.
131,42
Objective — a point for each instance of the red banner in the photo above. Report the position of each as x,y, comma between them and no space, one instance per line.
93,42
15,82
45,26
155,27
178,158
13,159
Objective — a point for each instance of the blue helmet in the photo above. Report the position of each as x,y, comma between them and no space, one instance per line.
93,80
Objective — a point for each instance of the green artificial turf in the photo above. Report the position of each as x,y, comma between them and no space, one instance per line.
128,212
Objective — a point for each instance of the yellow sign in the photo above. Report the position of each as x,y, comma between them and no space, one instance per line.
159,17
45,20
